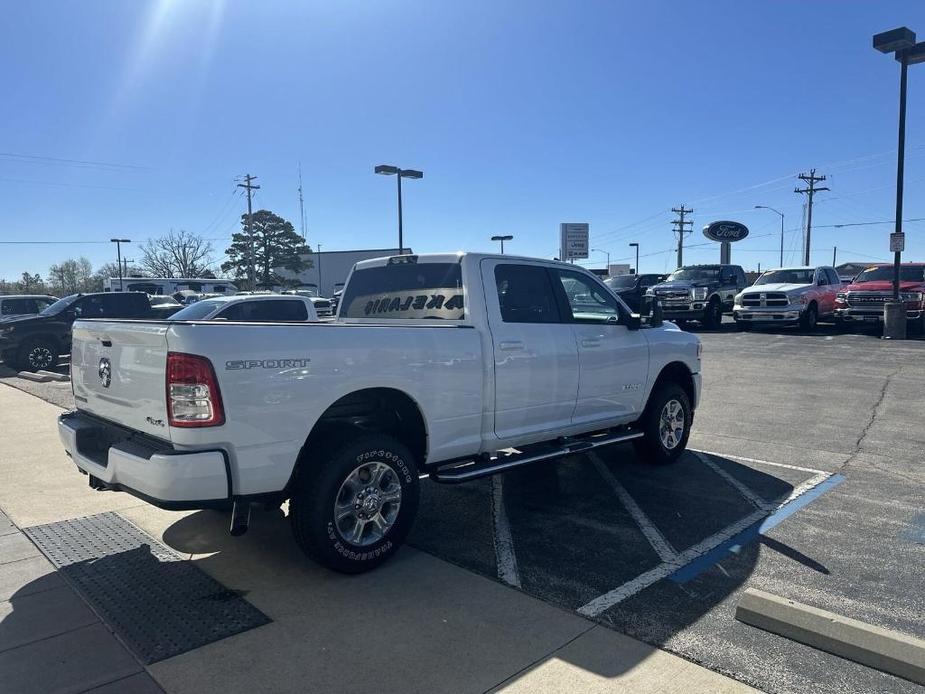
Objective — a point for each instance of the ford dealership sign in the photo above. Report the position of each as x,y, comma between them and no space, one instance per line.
725,231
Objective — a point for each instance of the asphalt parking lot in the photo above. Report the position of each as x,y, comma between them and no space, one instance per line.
805,480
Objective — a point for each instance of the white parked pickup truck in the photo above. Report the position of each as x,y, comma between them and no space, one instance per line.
455,366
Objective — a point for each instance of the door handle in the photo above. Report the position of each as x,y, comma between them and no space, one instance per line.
510,345
590,342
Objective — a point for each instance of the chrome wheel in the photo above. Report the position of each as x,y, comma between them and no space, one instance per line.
40,357
671,424
367,504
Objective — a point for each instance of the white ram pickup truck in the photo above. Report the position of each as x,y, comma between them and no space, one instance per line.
455,366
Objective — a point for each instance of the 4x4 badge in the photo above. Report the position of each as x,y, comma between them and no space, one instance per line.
105,372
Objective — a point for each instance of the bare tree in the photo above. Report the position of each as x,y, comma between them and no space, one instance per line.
178,254
71,276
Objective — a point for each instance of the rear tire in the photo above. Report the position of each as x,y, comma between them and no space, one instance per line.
742,326
354,503
666,424
37,354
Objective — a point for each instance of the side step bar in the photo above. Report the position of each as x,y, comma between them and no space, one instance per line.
476,468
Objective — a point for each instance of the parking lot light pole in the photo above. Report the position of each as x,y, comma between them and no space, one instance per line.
119,243
900,42
636,268
502,239
765,207
388,170
598,250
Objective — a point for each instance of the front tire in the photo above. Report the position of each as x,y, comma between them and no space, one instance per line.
38,354
666,425
353,507
809,318
713,315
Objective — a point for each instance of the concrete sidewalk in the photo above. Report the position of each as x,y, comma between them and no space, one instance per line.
418,624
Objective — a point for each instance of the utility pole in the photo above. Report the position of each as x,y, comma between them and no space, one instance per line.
320,284
810,190
679,229
119,243
834,255
251,268
302,206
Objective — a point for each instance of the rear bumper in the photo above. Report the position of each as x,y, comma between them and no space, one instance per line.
152,471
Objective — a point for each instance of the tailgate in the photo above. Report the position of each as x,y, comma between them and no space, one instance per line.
118,373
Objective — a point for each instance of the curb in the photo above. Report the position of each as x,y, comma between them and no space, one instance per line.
37,377
890,651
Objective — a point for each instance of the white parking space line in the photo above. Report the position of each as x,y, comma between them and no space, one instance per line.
504,544
673,561
758,461
801,489
755,500
659,543
630,588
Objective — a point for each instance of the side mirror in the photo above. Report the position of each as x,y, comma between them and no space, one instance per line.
633,321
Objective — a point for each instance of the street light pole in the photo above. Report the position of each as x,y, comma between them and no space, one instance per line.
900,166
765,207
598,250
389,170
502,239
636,268
119,243
900,42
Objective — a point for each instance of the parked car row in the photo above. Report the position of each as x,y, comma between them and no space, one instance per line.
34,342
800,296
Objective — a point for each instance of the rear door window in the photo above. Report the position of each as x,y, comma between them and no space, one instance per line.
278,311
12,307
526,294
405,289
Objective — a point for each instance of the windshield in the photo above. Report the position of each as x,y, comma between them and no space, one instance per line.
198,311
621,282
694,273
787,277
163,301
885,274
61,304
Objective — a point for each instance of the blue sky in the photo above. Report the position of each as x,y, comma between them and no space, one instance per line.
521,114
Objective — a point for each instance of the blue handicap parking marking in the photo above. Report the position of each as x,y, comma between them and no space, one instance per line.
734,544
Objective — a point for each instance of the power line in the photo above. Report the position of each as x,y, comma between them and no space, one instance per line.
65,185
34,158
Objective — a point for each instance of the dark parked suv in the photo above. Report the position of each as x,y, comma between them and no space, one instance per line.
700,292
632,288
34,342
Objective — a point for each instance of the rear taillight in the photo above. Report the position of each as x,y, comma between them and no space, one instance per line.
193,397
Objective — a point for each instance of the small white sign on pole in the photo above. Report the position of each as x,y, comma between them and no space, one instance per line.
897,242
573,240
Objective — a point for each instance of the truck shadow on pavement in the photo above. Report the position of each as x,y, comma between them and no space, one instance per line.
647,551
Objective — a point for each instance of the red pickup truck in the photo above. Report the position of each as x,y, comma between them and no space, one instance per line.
863,299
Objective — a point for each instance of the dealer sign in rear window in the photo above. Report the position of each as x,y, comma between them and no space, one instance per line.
428,290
